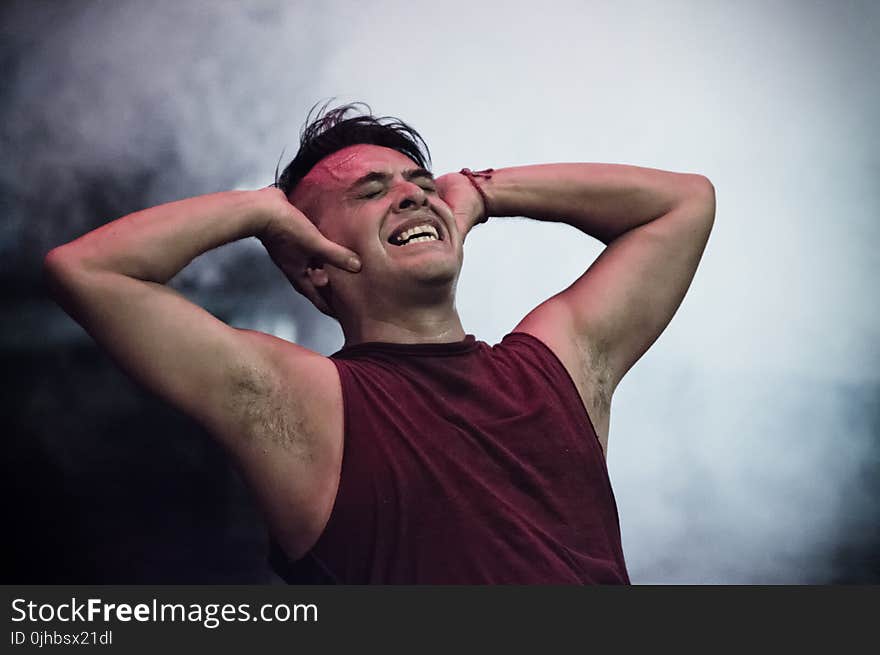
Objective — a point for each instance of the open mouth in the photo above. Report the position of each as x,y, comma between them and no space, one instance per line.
415,234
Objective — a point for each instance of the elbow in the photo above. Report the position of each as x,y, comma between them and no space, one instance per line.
60,269
52,261
54,267
705,184
67,257
702,191
700,184
56,262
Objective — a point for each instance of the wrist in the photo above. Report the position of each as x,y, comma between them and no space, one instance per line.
479,179
267,205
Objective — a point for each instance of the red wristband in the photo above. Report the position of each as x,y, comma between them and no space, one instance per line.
486,173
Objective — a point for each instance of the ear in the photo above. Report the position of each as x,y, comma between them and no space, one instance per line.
317,275
316,288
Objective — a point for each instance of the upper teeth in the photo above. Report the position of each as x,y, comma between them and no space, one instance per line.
428,228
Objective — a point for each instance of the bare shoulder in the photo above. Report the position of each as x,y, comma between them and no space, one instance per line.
584,360
290,447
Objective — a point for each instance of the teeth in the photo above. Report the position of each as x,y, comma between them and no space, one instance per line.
430,229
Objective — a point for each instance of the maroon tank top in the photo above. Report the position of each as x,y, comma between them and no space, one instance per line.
465,463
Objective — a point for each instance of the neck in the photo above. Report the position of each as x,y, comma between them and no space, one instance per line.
438,323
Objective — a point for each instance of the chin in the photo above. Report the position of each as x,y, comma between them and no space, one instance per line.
438,272
432,280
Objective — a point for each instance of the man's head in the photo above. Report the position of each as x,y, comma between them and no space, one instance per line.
365,183
331,131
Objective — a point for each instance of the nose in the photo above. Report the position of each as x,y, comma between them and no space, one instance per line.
411,196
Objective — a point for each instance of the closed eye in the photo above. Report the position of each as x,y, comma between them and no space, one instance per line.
429,189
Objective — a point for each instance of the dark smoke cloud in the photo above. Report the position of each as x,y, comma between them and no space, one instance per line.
109,108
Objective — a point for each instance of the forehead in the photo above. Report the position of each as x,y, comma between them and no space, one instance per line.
340,169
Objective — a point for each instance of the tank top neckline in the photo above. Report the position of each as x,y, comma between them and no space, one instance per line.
466,345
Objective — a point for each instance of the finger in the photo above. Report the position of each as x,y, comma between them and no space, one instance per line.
329,251
339,256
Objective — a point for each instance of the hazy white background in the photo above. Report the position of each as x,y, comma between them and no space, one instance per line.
743,446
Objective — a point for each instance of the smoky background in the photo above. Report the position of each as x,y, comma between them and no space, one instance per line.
744,444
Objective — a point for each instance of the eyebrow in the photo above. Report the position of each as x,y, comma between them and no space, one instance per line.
377,176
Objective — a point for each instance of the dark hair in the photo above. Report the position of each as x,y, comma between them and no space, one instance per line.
332,131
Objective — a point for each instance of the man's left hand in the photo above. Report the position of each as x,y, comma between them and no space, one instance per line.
463,199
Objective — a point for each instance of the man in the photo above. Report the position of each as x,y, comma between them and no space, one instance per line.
415,454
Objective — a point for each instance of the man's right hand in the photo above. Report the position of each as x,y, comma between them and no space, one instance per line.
295,245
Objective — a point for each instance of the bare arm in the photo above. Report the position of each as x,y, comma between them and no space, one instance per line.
656,225
111,281
601,200
154,244
243,386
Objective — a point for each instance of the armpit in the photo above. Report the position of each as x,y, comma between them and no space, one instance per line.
268,416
